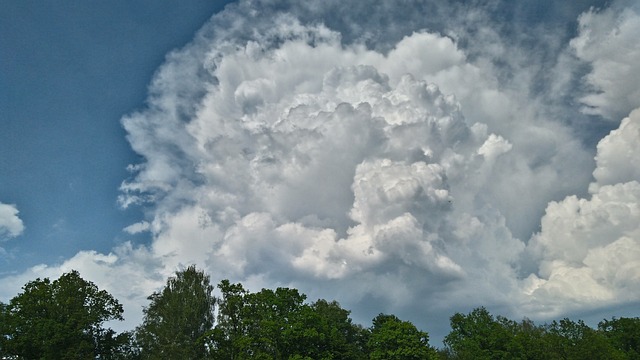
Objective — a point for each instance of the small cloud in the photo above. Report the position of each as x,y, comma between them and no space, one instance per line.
137,227
494,146
618,158
10,224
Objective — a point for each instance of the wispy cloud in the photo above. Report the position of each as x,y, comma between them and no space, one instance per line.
608,42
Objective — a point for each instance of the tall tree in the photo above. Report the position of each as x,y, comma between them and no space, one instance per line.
62,319
178,317
227,340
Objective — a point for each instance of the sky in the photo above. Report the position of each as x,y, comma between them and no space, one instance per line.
419,158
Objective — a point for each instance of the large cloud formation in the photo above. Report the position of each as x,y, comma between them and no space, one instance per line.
589,249
403,171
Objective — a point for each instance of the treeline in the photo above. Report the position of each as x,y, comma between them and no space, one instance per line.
65,319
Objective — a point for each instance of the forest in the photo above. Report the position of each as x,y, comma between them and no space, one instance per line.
66,319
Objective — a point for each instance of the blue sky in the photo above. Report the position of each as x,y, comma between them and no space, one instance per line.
70,70
416,158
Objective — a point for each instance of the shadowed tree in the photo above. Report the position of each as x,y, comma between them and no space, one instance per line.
574,340
624,335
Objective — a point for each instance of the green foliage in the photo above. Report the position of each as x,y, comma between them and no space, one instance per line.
227,340
479,336
279,325
61,320
64,319
338,337
623,334
576,340
178,317
394,339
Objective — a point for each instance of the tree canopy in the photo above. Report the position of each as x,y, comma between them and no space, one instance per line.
394,339
280,325
64,319
178,317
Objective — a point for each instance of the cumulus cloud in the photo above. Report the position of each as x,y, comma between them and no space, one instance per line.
617,159
588,248
10,224
406,176
306,161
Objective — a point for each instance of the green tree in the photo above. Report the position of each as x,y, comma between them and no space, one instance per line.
178,317
62,319
279,325
228,340
624,335
3,330
478,335
270,317
394,339
529,341
575,340
324,330
341,337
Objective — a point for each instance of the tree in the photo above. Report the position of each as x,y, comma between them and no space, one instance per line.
529,341
178,317
340,338
624,335
478,335
3,330
227,340
270,319
575,340
394,339
279,325
62,319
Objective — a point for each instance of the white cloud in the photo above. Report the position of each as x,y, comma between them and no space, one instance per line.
10,224
408,180
608,41
137,227
618,158
129,274
588,248
314,161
